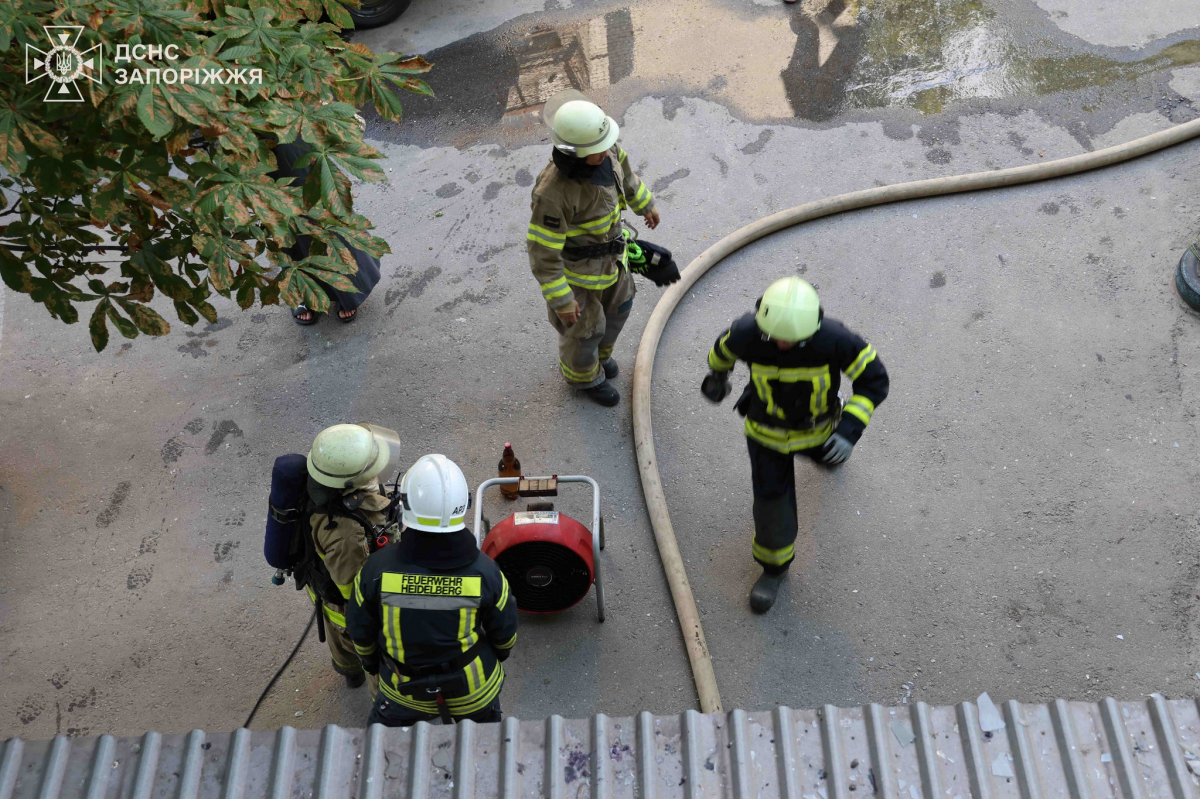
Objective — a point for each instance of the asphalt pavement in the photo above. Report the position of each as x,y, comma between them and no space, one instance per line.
1019,517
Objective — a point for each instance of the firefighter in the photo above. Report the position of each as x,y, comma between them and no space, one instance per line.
432,615
576,247
348,509
792,407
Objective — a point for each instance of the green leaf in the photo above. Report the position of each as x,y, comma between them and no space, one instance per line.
97,326
56,300
414,85
338,14
145,318
155,112
185,313
174,190
217,251
397,64
123,325
297,288
245,295
206,310
109,201
40,138
12,150
250,190
334,280
240,51
15,274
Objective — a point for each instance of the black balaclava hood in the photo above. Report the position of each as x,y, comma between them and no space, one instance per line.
579,169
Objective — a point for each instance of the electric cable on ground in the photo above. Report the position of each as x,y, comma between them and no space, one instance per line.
279,673
643,371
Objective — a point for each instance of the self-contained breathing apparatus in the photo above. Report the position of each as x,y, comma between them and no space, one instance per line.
357,453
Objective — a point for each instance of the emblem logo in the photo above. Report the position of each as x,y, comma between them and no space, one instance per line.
64,64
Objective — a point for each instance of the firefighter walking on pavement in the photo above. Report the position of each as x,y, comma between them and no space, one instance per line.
792,407
576,244
348,508
432,615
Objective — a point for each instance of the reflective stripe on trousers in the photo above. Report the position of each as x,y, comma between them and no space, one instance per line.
602,315
773,476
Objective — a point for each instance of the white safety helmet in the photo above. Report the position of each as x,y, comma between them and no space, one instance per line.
435,495
353,455
578,126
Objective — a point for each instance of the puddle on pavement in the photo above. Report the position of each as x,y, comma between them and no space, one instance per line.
926,54
813,60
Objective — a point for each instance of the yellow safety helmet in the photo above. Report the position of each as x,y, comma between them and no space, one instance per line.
578,126
789,310
353,455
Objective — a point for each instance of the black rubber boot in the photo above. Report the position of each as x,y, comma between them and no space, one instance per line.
355,680
766,588
611,370
603,394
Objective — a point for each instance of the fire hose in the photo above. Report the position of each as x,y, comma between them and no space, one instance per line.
643,372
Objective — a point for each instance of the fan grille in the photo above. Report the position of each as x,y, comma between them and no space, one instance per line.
544,577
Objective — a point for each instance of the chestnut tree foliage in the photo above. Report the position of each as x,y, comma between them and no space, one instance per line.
149,187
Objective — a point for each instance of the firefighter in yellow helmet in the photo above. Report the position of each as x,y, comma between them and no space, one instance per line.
576,247
347,511
792,407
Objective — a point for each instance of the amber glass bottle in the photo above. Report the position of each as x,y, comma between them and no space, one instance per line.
509,467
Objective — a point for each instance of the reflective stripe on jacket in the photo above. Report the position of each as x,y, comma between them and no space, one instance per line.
576,213
424,616
793,399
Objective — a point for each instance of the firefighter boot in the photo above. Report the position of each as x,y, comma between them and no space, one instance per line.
355,680
603,394
611,370
766,588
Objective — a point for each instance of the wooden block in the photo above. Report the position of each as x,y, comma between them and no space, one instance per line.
538,486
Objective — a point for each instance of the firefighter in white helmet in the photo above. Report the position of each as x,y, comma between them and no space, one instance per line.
432,615
576,247
346,513
792,407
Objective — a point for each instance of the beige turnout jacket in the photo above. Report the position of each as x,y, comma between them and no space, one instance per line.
573,213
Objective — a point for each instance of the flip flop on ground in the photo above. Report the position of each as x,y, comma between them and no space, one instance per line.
304,317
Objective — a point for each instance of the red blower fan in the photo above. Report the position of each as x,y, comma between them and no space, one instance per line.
549,559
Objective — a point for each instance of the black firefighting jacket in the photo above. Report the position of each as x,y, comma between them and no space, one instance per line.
791,402
425,601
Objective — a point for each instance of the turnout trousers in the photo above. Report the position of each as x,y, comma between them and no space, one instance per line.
389,714
341,647
775,524
583,345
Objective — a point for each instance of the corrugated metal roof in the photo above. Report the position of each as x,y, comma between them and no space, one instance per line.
1111,749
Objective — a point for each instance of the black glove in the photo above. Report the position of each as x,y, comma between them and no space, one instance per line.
664,274
715,386
652,262
370,663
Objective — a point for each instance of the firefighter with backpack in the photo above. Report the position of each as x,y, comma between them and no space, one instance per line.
328,514
431,615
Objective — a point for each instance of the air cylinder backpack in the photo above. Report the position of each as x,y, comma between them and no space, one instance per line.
288,544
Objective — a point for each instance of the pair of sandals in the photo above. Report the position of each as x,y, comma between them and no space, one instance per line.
315,315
